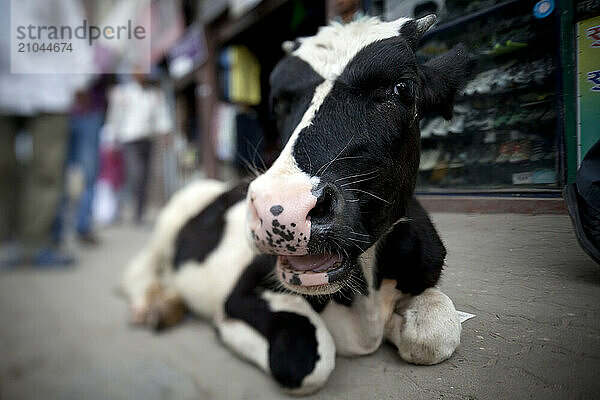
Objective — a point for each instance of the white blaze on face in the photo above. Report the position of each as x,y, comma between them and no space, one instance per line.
334,46
285,163
328,53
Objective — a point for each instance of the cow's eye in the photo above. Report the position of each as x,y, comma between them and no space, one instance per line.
400,88
406,89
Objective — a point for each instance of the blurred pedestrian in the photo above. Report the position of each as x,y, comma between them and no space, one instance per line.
85,121
110,179
33,138
347,11
137,112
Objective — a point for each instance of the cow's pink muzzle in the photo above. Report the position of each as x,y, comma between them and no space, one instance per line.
278,217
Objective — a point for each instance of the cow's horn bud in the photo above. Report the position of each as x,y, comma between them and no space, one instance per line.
424,23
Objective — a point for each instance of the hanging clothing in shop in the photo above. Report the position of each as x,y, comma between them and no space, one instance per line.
240,81
249,140
225,67
225,131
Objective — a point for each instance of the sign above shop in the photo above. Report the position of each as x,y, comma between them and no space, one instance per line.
188,53
237,8
588,85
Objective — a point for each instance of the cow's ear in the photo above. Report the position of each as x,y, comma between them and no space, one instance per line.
442,77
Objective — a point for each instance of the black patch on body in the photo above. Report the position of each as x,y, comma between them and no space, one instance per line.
292,337
412,253
202,233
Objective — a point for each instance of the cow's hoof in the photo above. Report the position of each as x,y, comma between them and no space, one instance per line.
165,315
429,330
160,309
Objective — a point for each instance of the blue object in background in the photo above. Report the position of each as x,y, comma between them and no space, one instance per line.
543,8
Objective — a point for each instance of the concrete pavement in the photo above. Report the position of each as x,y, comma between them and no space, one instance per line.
536,335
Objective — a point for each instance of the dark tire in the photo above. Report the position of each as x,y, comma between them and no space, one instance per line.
586,221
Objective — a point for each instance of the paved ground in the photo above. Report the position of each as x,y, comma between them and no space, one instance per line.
536,335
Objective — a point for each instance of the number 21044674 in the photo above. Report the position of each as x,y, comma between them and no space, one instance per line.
45,47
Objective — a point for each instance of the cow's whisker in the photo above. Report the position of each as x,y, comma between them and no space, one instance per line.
358,240
370,194
349,158
339,247
358,181
257,153
356,233
309,162
357,175
335,158
358,247
251,167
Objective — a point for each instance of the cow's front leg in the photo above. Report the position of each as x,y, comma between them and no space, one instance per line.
278,332
425,328
356,329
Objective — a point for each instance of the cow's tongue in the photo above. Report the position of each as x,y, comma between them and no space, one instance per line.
315,263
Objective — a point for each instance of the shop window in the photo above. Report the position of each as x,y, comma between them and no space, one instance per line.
504,131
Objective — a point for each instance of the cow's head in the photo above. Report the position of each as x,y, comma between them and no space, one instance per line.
348,101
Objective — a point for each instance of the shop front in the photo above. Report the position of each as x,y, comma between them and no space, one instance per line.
512,143
514,140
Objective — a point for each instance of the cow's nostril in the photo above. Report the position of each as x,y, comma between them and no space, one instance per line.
324,207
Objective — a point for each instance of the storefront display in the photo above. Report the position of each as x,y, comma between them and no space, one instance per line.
504,131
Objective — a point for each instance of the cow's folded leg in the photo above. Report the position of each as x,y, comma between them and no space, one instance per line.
278,332
425,328
139,277
165,307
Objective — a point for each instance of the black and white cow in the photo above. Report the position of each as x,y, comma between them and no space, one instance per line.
327,252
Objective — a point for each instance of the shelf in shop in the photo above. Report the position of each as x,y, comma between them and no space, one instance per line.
527,87
447,25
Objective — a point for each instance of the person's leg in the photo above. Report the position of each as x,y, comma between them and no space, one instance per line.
8,177
133,171
87,158
144,150
58,226
43,184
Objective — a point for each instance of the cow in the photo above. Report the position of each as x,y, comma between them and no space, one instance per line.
327,252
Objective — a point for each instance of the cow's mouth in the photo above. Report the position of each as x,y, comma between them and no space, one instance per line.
312,273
